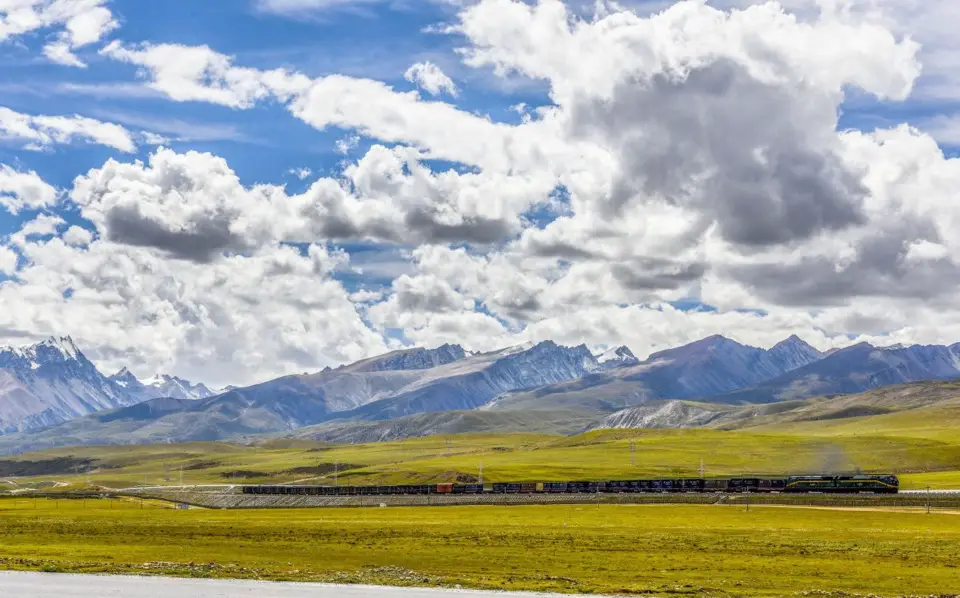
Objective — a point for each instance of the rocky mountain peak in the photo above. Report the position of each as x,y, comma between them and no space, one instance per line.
53,351
793,353
617,357
415,359
125,378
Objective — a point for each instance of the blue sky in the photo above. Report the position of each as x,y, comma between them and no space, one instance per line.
264,144
576,229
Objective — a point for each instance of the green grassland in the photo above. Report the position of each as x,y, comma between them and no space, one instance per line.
619,454
650,550
910,430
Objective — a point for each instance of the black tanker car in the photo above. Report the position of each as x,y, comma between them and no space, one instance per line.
837,484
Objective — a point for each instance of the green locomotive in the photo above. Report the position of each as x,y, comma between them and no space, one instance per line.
880,484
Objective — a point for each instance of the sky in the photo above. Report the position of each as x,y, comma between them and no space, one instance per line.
234,190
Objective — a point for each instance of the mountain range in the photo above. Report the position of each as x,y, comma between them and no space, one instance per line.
50,394
52,382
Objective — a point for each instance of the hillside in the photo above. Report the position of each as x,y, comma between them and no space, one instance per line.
449,422
909,430
852,370
911,403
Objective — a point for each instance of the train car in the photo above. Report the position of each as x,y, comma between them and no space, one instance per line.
617,487
715,485
794,484
851,484
583,487
743,485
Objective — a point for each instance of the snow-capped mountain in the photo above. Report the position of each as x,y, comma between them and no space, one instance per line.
160,385
51,382
617,357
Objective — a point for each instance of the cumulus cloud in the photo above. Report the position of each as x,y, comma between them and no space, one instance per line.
242,319
24,190
193,206
77,236
688,155
43,132
431,79
80,23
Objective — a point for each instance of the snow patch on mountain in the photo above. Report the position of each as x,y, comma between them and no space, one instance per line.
616,357
668,414
160,385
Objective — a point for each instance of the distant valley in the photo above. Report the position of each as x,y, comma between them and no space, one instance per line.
52,395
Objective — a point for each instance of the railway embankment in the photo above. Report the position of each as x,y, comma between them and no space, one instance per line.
236,500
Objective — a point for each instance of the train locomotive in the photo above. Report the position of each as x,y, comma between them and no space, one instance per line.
834,484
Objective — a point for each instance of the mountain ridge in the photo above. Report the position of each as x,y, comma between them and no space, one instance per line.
407,385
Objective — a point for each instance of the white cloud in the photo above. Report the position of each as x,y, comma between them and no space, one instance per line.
8,261
347,144
80,24
188,73
24,190
241,319
42,226
42,132
193,206
431,79
692,154
77,236
301,173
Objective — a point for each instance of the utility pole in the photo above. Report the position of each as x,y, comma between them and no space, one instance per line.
181,475
633,453
928,500
336,472
701,469
481,474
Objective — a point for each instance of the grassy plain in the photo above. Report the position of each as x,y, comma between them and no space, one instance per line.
920,443
675,550
621,454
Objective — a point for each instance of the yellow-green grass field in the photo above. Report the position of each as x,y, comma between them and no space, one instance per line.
600,455
921,445
651,550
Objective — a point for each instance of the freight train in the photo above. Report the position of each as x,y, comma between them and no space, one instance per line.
849,484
